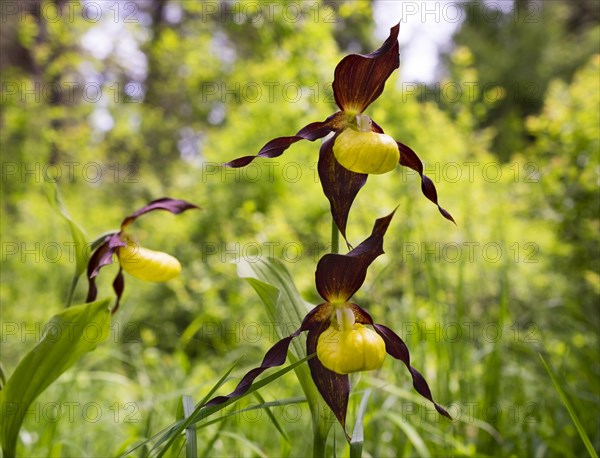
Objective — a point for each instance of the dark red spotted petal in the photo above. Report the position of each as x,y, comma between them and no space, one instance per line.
340,185
397,349
277,354
339,276
359,79
335,388
277,146
408,158
174,206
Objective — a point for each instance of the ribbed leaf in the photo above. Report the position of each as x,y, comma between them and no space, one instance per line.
69,336
77,233
274,284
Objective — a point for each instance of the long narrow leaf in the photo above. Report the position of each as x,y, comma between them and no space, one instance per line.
191,441
569,406
77,233
358,436
272,417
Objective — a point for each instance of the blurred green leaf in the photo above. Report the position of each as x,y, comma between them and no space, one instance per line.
82,248
411,433
79,237
69,335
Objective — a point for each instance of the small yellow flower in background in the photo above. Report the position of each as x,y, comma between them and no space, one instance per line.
148,265
143,263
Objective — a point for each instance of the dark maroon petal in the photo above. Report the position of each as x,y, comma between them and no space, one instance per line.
103,256
408,158
174,206
359,79
277,146
118,287
340,185
339,276
376,127
335,388
397,348
277,354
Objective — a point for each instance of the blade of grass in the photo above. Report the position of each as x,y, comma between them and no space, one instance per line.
411,433
213,439
567,403
191,441
358,436
247,443
272,417
283,402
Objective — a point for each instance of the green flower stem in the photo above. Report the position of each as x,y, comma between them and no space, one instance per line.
335,237
319,441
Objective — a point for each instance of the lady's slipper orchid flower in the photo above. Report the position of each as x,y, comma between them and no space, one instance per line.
338,332
140,262
359,146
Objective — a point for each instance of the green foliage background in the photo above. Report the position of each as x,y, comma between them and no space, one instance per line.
475,303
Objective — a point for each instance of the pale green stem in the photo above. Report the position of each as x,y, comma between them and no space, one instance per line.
319,442
335,237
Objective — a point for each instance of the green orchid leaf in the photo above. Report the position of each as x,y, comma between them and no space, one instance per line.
82,247
69,335
286,308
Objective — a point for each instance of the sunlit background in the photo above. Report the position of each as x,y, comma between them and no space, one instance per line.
121,103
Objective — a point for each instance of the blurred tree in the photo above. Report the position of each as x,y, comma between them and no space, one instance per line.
520,50
566,149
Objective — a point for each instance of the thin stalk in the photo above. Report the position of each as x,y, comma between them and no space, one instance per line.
319,442
335,237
